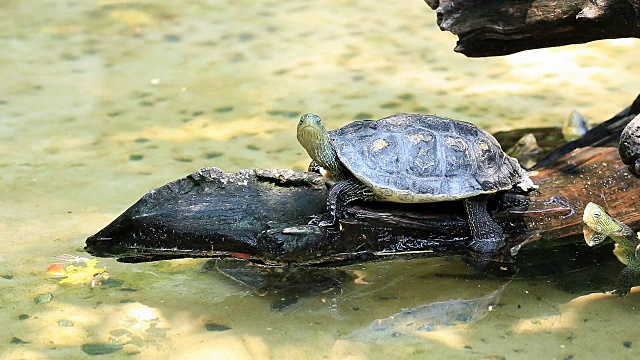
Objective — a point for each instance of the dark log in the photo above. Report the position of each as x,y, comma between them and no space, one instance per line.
502,27
261,215
211,214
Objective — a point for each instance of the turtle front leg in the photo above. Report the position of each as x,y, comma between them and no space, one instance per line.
625,280
314,167
342,193
487,235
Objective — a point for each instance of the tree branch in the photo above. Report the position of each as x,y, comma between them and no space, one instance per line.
502,27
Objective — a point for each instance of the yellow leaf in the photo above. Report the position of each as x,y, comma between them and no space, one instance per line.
77,275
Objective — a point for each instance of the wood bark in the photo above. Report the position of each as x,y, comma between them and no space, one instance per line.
501,27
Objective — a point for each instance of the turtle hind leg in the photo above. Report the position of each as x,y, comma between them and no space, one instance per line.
625,280
487,236
342,193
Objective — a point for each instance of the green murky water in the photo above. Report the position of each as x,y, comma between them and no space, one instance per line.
104,100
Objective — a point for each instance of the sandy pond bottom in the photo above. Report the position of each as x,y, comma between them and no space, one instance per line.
103,101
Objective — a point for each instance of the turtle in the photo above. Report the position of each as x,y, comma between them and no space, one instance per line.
598,226
414,158
526,151
575,126
629,146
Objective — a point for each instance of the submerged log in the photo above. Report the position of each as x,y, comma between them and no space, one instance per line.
263,215
502,27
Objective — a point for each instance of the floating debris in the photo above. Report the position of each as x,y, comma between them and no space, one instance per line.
285,113
72,259
390,105
112,283
85,272
171,38
43,298
18,341
101,348
56,270
65,323
223,109
128,289
216,327
363,116
120,333
134,18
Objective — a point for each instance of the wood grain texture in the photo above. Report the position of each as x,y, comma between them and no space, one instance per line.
501,27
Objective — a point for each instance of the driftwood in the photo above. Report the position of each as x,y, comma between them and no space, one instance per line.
501,27
262,215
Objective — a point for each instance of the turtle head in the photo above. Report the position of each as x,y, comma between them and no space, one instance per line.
600,222
311,130
313,136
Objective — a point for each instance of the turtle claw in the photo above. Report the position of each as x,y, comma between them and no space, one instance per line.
324,221
334,222
622,290
326,224
315,220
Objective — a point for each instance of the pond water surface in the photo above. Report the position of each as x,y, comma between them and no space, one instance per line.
104,100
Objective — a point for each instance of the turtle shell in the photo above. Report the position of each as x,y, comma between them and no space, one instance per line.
425,158
630,142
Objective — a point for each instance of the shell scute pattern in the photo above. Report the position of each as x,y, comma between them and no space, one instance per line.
418,158
433,123
422,155
427,185
466,130
383,151
458,156
498,170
